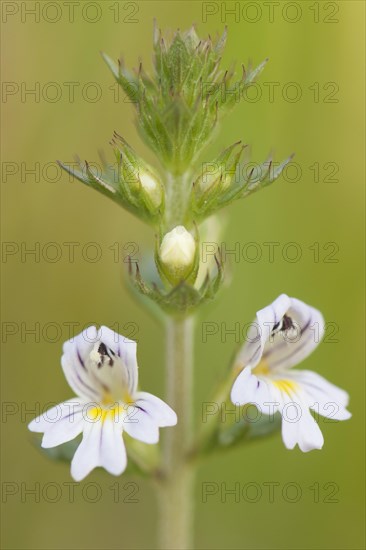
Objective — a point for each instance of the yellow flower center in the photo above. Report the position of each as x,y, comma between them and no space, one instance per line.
262,368
286,386
110,408
283,384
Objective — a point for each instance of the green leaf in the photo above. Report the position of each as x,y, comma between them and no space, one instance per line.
111,64
119,185
252,74
243,429
179,62
61,453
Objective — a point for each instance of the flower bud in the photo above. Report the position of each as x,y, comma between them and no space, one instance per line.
177,254
139,181
152,188
218,176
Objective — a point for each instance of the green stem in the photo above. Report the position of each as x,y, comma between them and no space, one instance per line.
209,427
176,488
178,191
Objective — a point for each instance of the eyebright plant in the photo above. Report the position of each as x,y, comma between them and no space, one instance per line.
178,107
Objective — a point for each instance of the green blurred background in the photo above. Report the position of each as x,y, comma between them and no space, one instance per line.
37,210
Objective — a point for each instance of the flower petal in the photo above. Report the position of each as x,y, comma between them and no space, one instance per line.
113,452
55,414
156,408
87,455
100,362
286,350
289,434
75,356
323,397
64,430
249,388
102,445
243,387
298,425
260,330
140,425
125,349
310,436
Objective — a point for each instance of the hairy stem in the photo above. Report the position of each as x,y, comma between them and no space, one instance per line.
176,489
178,192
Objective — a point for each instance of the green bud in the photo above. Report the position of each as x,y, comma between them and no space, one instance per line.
152,188
215,181
226,179
139,179
218,175
179,105
130,182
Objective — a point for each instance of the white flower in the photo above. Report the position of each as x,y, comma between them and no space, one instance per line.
101,368
283,334
177,253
